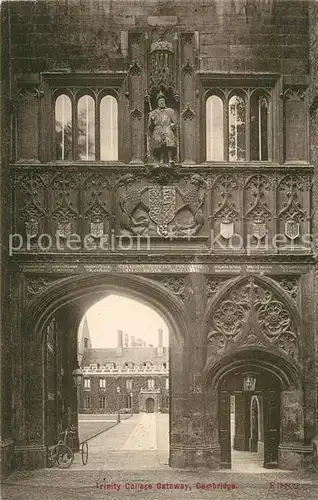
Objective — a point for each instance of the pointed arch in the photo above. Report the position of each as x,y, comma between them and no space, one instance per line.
266,322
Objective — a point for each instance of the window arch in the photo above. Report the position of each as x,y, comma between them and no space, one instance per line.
259,126
237,128
238,124
214,129
63,128
109,128
86,128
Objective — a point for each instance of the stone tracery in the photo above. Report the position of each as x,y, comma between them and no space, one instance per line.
253,307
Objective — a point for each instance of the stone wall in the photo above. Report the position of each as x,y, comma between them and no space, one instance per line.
238,36
313,57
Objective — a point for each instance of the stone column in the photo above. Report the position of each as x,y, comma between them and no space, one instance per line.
196,428
28,124
291,449
188,77
136,97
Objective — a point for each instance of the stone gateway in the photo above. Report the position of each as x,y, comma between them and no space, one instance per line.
166,152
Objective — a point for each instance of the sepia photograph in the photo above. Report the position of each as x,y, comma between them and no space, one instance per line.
159,249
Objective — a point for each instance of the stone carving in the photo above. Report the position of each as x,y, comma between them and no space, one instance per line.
130,200
176,284
161,63
162,132
291,185
290,284
193,201
226,211
36,284
30,92
135,69
187,68
96,211
33,210
64,211
188,113
162,207
136,114
253,314
214,285
292,211
258,212
173,211
294,94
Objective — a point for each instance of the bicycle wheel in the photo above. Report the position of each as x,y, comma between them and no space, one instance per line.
84,452
62,456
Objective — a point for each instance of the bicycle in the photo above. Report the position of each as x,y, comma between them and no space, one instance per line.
62,456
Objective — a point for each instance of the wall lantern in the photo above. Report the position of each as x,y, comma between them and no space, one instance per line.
249,382
77,375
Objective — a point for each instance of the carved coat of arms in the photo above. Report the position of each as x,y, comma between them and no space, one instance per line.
292,229
174,212
97,229
32,229
259,230
162,207
64,229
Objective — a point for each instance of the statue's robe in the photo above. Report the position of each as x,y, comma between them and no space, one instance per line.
161,134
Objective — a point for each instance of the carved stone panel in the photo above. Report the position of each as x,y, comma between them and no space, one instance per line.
295,124
28,124
97,212
225,209
64,204
252,314
294,208
31,210
168,211
258,198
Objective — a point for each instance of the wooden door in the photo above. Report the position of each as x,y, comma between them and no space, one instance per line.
150,405
271,428
225,429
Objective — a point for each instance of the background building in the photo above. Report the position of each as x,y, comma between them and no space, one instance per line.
130,378
216,228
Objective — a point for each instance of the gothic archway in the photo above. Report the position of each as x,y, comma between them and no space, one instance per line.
253,312
252,326
77,294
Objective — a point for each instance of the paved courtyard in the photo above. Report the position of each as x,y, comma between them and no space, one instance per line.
131,461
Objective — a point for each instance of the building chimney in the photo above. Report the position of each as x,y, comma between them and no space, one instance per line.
126,340
160,342
119,350
132,341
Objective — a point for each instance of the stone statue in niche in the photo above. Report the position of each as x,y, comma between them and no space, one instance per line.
162,132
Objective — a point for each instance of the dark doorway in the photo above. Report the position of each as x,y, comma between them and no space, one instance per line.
150,405
250,424
254,424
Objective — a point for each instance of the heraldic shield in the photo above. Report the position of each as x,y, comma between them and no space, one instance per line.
259,230
32,229
292,229
162,207
97,229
